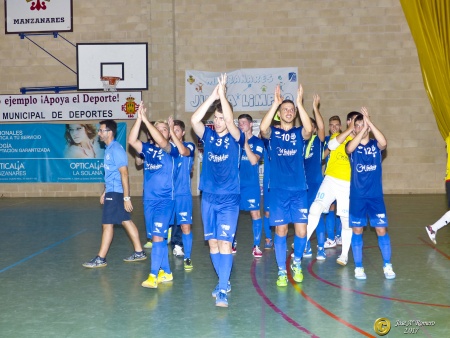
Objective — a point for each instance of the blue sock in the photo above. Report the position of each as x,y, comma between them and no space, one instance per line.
320,232
257,229
384,242
280,251
338,226
165,258
357,247
267,230
299,247
215,259
187,244
330,224
157,257
226,263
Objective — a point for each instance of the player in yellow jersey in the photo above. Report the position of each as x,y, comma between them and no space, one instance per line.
336,187
445,219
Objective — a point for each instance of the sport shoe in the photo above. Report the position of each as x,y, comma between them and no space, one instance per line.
338,240
96,262
178,251
217,290
188,264
431,233
321,256
269,244
359,273
297,271
222,299
164,277
282,278
307,253
388,272
342,260
234,247
151,282
136,257
330,243
257,252
148,245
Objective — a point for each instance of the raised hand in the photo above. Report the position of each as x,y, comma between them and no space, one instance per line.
277,98
316,101
222,87
300,95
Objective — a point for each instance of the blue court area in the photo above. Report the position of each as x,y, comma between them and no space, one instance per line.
45,291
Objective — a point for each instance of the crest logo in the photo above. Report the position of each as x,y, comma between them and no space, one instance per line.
37,5
130,107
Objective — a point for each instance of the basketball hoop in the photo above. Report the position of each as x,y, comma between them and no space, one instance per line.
110,83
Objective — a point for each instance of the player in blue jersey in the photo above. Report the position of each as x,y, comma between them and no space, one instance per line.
219,183
249,177
313,172
288,203
116,198
183,194
366,192
159,192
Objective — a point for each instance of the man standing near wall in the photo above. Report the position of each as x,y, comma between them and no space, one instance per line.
116,198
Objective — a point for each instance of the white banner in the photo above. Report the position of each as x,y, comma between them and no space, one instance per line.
247,89
69,107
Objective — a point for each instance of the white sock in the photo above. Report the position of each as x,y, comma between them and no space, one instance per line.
442,222
346,236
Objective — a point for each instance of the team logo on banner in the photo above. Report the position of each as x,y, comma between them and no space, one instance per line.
38,5
130,108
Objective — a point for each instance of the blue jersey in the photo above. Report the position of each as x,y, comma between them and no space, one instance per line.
286,151
115,158
249,173
159,171
266,177
220,166
184,167
366,173
313,160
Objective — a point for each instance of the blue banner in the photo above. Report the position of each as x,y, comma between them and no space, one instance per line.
43,152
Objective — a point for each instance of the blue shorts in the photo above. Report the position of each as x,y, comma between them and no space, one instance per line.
288,207
250,198
114,210
182,212
220,215
157,214
373,208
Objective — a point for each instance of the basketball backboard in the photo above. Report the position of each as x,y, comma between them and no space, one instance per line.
129,61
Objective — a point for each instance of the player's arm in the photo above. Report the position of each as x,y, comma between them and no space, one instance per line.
351,145
126,188
318,117
180,146
264,127
304,117
252,157
338,140
133,138
381,140
157,137
226,108
199,114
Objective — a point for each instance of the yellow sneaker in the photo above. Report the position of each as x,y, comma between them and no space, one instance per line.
151,282
148,245
282,278
164,277
297,272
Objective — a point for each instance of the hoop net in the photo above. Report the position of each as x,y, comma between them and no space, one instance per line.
110,83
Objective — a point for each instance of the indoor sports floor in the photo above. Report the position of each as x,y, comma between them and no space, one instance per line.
45,291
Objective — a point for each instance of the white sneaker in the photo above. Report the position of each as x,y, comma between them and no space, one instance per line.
388,272
330,243
431,233
178,251
359,273
342,260
338,240
257,252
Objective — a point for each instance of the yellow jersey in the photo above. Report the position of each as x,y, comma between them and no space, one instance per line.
338,165
447,174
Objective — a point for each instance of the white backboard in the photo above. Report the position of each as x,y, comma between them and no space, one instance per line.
129,61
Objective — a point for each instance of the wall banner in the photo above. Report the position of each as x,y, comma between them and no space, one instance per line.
247,89
69,106
43,152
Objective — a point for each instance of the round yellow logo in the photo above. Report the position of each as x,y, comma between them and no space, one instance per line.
382,326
